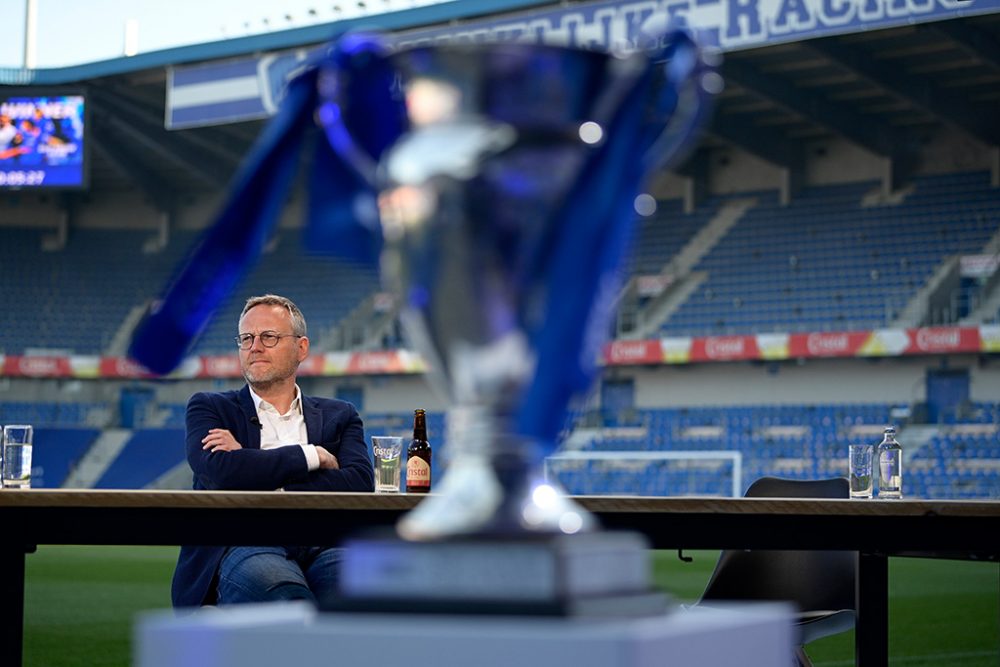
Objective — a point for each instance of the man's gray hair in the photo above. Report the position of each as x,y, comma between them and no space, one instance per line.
298,320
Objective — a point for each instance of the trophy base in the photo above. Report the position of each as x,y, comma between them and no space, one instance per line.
600,574
632,605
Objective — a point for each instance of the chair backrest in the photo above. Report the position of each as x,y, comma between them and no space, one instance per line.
813,580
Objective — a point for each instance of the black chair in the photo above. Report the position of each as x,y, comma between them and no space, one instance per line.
820,583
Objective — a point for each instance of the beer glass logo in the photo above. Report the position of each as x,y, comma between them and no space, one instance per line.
384,452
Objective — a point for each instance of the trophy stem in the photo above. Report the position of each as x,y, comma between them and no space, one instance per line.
494,485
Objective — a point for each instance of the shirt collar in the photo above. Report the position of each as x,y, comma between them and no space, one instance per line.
261,405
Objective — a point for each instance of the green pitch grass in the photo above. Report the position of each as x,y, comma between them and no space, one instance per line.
941,613
80,604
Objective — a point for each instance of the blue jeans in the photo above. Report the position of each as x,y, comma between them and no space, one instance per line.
266,574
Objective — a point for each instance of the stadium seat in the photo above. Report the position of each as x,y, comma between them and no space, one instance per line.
820,583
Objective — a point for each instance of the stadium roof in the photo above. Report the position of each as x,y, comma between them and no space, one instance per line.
885,90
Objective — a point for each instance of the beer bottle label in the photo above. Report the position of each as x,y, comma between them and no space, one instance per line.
418,472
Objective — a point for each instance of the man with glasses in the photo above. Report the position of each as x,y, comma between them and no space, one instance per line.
268,436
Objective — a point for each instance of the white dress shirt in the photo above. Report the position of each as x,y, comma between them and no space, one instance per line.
277,430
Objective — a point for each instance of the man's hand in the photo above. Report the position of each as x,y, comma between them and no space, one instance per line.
220,440
327,461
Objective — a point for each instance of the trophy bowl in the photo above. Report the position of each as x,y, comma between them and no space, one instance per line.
505,176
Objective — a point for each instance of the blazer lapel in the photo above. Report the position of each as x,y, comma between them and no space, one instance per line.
314,421
250,413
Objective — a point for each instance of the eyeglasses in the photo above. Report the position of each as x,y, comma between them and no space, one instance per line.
267,339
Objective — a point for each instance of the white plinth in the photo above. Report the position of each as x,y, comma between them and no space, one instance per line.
281,634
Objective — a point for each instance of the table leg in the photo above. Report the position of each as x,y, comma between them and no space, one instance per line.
871,631
12,602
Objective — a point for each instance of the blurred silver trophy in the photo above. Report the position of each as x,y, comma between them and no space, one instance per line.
502,180
506,176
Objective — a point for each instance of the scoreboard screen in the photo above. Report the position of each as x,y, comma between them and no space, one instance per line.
43,141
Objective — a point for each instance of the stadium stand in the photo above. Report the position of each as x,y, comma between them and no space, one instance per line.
960,459
82,296
323,288
827,261
148,455
54,414
792,441
82,303
662,235
56,452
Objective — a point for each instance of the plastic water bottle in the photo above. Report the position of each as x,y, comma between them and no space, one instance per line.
890,466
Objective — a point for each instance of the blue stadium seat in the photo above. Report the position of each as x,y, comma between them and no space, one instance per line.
825,262
145,458
56,451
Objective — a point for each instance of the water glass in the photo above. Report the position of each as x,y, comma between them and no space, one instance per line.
388,452
860,464
16,462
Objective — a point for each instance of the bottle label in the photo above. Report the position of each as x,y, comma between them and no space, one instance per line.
418,472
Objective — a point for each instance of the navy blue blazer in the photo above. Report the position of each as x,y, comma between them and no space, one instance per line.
333,424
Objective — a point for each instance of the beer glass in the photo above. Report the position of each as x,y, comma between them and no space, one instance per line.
388,454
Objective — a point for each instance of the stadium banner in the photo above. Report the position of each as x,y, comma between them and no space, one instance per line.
228,92
815,345
653,352
675,350
37,366
633,352
979,267
724,348
943,340
827,344
251,88
774,346
989,338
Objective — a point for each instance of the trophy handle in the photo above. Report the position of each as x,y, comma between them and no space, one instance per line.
693,82
363,57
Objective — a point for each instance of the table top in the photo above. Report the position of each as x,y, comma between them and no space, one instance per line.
236,500
90,516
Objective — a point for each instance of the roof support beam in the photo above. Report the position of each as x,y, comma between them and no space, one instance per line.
762,142
867,132
975,41
978,121
131,166
694,172
221,149
212,169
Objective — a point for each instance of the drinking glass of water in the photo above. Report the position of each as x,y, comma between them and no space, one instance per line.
388,452
861,469
17,456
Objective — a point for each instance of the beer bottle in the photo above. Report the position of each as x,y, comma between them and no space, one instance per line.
418,456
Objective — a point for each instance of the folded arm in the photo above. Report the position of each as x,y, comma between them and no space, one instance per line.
220,461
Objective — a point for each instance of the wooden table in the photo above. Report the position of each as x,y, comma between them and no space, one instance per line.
875,529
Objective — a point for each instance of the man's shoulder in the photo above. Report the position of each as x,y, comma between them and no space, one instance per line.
231,397
325,403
